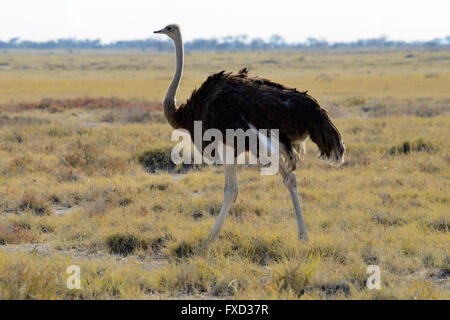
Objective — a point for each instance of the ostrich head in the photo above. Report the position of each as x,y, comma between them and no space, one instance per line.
172,31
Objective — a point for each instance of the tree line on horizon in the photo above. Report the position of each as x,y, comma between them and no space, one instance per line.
229,43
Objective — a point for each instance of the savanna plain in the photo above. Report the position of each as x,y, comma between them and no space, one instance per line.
86,180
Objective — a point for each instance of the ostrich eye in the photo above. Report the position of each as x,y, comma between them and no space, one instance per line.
169,28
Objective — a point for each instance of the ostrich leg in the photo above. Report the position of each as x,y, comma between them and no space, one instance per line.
230,195
290,181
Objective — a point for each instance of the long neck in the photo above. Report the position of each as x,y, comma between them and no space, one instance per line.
169,99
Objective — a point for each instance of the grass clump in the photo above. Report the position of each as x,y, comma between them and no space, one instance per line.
187,248
386,219
295,276
18,165
37,206
15,234
124,244
81,154
157,159
442,224
260,251
90,158
212,276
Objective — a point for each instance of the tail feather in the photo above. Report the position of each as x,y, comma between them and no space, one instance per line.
327,138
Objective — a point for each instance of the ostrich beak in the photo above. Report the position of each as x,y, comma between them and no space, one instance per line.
158,31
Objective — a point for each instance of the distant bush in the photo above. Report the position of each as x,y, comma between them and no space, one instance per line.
419,145
133,115
355,101
227,43
430,111
67,175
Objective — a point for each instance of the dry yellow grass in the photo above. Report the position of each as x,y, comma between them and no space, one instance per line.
140,235
31,76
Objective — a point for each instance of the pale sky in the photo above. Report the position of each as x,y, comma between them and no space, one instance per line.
332,20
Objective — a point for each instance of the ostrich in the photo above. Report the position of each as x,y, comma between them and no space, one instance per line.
237,101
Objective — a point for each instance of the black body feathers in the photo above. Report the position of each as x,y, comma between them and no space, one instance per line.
232,101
